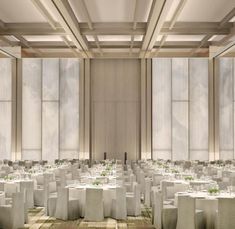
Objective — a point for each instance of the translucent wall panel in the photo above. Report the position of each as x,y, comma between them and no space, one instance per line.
226,154
50,79
5,79
5,107
50,119
5,130
161,108
180,130
198,109
69,105
226,115
31,154
31,108
226,108
50,131
50,109
179,79
180,108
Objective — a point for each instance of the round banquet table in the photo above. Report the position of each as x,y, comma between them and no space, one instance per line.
206,202
78,191
11,186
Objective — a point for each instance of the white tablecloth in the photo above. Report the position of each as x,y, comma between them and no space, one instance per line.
206,202
79,192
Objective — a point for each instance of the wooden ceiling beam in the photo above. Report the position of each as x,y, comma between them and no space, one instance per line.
194,31
180,28
172,22
44,12
120,44
159,12
228,17
90,25
222,24
65,16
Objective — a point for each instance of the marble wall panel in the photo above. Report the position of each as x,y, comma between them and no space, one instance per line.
161,154
31,104
180,130
180,79
50,79
198,104
5,79
201,155
161,104
5,130
50,131
31,154
69,104
226,115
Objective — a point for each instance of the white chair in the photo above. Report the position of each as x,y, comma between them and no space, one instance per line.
129,184
40,193
171,190
164,216
50,198
147,191
28,186
157,178
119,204
133,201
188,216
226,209
163,185
66,208
142,182
62,177
9,189
94,207
12,216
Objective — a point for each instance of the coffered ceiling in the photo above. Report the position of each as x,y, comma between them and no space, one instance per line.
116,28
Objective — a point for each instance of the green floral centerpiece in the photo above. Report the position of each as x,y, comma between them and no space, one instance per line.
8,178
174,171
103,174
96,182
189,178
213,191
108,167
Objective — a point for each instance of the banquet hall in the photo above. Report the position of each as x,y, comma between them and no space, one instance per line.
117,114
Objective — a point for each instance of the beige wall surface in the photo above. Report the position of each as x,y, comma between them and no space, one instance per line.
115,108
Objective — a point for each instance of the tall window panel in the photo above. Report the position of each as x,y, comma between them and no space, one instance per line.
180,108
5,107
226,108
50,109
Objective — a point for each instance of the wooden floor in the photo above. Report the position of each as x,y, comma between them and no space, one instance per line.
37,220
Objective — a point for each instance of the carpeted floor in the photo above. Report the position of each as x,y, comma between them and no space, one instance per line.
37,220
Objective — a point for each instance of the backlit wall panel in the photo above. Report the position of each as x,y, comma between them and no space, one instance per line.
226,108
198,130
69,101
31,108
180,108
161,109
50,109
5,108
